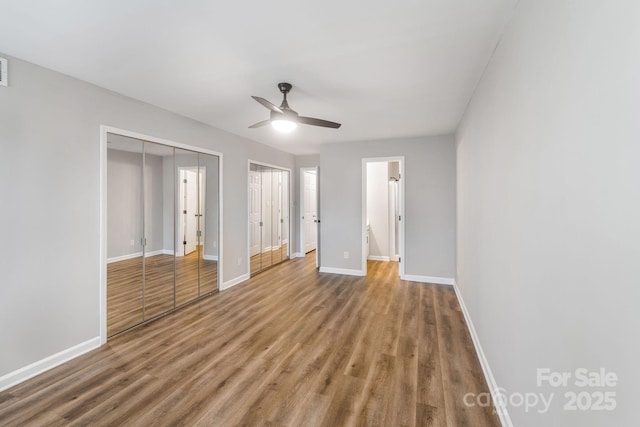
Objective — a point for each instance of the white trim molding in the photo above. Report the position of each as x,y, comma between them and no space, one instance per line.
428,279
210,257
505,419
36,368
297,255
346,271
230,283
378,258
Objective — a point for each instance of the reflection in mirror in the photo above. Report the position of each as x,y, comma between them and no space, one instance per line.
268,216
158,226
276,212
124,233
187,189
208,223
284,206
255,211
162,229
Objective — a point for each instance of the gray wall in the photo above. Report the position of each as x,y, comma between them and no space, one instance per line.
549,204
429,205
124,203
49,126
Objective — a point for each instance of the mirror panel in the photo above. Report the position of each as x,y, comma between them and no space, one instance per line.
276,212
255,217
187,190
208,223
124,233
162,229
158,227
284,206
268,216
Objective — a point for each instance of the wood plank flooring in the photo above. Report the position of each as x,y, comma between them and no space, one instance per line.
266,259
194,276
291,346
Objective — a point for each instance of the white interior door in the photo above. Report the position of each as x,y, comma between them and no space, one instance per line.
310,211
189,210
254,212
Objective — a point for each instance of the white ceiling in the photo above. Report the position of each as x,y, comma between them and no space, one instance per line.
382,68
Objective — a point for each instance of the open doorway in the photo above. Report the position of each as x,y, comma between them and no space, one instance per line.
382,208
309,208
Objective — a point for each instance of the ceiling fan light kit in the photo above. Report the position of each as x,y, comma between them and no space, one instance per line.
284,126
283,118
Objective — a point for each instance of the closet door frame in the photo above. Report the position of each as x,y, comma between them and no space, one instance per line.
269,165
104,130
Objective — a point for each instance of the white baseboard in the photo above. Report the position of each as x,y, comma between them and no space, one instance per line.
230,283
505,419
297,255
139,254
30,371
210,257
346,271
428,279
378,258
123,257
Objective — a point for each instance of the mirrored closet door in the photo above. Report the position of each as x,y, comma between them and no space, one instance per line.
162,229
268,216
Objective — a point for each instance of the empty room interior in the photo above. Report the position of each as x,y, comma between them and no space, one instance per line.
410,213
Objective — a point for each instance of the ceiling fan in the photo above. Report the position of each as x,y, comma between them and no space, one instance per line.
283,118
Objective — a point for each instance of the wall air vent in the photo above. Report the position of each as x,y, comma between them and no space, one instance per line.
4,76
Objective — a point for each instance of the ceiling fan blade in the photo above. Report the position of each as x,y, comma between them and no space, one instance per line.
267,104
318,122
259,124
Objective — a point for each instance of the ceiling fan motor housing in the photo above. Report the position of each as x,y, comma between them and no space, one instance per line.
284,87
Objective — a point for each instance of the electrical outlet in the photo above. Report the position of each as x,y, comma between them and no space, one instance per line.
239,262
133,242
346,255
215,244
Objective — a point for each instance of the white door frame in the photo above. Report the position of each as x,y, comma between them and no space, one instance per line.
103,210
364,209
301,221
255,162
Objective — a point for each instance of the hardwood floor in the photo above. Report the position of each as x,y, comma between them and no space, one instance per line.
291,346
194,276
266,259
